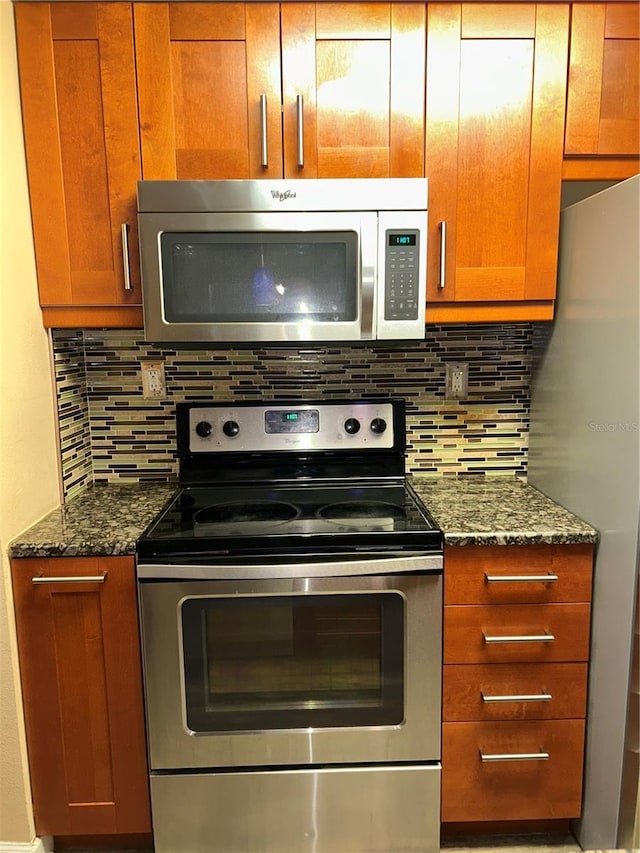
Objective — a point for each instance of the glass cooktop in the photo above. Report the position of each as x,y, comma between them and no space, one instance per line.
243,519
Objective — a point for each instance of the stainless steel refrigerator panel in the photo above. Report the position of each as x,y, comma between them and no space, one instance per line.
584,453
351,810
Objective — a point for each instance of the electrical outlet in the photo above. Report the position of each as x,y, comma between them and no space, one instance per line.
456,380
153,384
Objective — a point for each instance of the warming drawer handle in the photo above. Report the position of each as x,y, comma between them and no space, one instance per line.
548,578
443,255
264,154
124,229
77,579
519,638
300,115
514,756
524,697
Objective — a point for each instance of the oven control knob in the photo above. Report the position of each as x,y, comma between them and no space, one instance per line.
230,428
378,425
204,429
352,426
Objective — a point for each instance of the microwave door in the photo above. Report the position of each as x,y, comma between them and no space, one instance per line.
259,278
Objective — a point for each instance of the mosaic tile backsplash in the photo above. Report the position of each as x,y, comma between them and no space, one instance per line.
110,433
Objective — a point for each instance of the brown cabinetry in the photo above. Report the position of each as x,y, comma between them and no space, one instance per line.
80,118
516,647
77,627
496,87
603,99
235,90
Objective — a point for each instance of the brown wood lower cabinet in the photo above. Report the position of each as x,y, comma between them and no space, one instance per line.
516,650
77,627
486,780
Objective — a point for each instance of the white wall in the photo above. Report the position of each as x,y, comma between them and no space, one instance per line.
28,455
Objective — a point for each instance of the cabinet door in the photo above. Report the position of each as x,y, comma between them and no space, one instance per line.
353,89
82,687
496,85
603,101
81,135
202,69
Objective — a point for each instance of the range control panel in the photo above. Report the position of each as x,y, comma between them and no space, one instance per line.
247,429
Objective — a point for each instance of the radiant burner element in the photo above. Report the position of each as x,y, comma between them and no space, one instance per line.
241,511
360,510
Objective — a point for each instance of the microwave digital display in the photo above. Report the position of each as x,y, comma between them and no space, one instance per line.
402,239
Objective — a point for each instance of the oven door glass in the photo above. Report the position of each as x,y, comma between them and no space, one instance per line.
293,661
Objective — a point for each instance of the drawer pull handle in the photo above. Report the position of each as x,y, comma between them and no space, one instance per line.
514,756
548,578
519,638
80,579
525,697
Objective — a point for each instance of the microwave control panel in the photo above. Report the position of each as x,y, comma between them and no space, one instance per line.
402,268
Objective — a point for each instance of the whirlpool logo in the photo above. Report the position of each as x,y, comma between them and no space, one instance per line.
283,196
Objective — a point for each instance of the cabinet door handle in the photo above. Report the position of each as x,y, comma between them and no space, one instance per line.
548,578
124,229
443,255
524,697
514,756
264,154
76,579
519,638
300,114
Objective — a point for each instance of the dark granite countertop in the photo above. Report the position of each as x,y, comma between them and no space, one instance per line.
500,511
100,521
107,520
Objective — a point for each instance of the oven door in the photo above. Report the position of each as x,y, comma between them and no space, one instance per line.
259,277
305,671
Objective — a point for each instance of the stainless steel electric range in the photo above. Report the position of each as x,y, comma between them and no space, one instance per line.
291,612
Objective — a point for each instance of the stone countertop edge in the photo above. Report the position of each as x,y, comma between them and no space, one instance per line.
101,521
107,520
499,511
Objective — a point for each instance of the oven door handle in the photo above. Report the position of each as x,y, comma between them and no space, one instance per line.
360,565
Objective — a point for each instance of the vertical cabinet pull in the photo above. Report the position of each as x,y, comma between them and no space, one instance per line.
300,114
71,579
443,255
514,756
548,578
264,154
124,229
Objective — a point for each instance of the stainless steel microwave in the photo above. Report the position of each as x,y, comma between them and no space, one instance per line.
286,261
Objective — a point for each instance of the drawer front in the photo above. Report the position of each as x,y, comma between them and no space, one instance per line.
516,632
521,788
506,691
518,574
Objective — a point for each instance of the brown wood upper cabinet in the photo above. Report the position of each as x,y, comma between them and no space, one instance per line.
603,101
80,117
234,90
496,87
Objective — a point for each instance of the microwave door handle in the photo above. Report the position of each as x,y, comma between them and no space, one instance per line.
300,114
264,154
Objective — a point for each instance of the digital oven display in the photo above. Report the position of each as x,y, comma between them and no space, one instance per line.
292,420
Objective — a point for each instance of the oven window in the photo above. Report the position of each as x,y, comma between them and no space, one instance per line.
257,277
282,662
